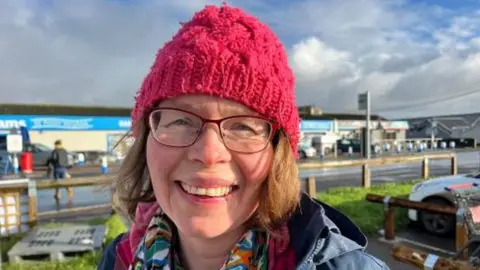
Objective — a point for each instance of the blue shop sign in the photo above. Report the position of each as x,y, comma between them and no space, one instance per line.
58,122
316,125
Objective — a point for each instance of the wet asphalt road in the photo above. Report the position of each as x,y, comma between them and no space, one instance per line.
326,178
380,174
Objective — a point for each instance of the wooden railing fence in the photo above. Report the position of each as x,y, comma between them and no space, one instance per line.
26,191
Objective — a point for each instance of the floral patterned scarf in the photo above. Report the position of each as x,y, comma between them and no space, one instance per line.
157,249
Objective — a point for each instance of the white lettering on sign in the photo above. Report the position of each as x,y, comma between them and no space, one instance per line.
9,124
59,123
125,123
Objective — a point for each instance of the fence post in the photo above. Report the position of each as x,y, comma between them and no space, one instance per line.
389,222
366,183
453,163
112,198
69,189
461,237
311,187
425,169
32,203
70,193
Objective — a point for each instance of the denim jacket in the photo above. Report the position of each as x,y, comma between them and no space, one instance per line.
325,239
322,238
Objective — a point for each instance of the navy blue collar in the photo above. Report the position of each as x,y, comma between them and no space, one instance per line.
313,221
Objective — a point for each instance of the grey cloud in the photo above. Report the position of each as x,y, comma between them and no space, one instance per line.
399,61
97,52
79,52
402,64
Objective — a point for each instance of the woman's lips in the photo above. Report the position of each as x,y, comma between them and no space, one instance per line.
218,191
206,195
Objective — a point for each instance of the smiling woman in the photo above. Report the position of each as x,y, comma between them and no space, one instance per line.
211,180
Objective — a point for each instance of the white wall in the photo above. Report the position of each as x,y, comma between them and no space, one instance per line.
74,140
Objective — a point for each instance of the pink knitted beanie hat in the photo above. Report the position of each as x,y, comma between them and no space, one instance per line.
224,52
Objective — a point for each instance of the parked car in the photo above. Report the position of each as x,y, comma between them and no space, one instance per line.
40,154
344,144
93,156
305,151
356,144
433,191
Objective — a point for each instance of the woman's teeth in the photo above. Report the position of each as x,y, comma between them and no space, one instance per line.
212,192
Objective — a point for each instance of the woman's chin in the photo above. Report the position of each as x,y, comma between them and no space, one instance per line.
203,227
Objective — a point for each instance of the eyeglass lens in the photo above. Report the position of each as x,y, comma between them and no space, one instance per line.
179,129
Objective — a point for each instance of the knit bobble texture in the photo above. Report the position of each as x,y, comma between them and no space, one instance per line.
224,52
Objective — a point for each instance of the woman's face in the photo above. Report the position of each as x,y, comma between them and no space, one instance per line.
207,167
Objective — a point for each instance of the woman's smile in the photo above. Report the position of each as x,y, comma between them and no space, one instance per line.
211,196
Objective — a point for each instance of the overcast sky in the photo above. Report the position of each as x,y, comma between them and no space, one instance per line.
98,51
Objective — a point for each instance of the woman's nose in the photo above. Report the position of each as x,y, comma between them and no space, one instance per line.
209,148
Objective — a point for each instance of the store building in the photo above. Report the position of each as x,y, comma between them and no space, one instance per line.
80,128
316,123
382,130
78,133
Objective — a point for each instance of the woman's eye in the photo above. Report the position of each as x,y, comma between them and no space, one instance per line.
182,122
179,122
242,127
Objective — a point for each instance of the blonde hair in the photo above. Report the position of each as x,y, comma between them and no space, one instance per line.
280,192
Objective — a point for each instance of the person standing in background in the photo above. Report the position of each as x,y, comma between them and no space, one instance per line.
58,162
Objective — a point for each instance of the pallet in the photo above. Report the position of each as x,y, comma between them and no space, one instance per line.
57,244
53,256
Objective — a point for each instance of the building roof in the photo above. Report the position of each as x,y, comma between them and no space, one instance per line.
311,112
460,125
469,117
52,109
46,109
341,116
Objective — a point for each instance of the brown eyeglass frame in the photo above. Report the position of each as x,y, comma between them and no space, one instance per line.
217,122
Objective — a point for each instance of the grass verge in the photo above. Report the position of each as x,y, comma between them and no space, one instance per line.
114,225
368,216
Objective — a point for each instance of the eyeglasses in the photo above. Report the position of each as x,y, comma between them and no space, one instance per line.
242,133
